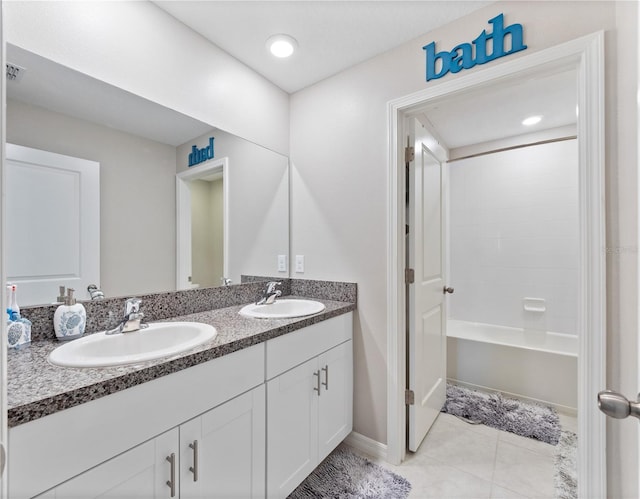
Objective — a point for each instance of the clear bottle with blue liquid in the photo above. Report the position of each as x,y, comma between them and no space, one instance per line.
18,328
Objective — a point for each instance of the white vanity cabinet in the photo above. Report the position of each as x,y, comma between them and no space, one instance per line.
219,454
218,402
309,400
251,424
223,451
140,472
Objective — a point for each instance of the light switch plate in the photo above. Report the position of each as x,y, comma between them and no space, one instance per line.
300,263
282,263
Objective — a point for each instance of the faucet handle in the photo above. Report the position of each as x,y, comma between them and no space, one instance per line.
132,306
271,286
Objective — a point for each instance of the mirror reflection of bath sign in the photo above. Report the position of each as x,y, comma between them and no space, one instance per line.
197,156
467,55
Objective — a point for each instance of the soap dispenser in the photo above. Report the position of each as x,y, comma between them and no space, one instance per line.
70,318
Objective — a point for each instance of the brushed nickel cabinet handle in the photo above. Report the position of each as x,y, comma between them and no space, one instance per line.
325,383
172,482
317,387
194,469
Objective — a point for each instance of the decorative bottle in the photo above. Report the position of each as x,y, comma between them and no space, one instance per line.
18,328
70,318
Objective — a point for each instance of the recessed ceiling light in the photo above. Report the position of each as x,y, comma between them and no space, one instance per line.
531,120
282,45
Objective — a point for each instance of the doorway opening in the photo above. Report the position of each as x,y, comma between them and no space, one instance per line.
584,57
202,196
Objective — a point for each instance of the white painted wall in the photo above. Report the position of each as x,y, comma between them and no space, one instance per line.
339,155
140,48
137,194
514,233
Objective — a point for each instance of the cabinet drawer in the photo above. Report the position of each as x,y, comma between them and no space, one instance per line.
290,350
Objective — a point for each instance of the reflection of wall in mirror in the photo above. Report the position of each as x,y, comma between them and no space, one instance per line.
207,233
258,185
137,205
137,194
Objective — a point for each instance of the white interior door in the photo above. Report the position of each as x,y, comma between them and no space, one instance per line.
52,204
426,316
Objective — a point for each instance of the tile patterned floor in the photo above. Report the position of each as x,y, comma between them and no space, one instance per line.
464,461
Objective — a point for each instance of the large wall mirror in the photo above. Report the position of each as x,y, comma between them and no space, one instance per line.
239,217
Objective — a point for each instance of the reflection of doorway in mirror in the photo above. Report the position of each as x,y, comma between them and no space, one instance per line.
207,232
202,197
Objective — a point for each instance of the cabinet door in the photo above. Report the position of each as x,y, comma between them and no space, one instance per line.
223,451
335,419
292,419
140,472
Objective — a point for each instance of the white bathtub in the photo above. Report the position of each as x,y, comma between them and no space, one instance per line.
535,365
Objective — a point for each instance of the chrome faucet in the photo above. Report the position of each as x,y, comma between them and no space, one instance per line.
270,293
132,320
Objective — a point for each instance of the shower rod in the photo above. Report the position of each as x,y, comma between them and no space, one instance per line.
519,146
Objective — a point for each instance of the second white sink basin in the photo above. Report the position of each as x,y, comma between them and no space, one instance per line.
160,339
283,309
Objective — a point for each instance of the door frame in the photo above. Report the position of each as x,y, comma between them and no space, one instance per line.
183,217
586,54
3,271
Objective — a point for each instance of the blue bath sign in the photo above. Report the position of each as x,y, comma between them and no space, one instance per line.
467,55
197,156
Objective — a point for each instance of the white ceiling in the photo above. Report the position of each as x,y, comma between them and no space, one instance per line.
497,112
335,35
332,35
484,115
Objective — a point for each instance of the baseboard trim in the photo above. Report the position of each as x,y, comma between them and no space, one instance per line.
366,445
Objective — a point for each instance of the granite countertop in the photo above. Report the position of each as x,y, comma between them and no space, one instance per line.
37,388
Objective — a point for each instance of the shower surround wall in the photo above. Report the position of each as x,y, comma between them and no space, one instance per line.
514,234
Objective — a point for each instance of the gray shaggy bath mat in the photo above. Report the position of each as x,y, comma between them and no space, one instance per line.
345,475
492,409
566,474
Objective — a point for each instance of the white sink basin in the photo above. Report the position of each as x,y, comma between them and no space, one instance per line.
283,309
160,339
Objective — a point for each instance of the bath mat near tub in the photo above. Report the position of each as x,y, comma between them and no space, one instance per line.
345,475
493,409
566,464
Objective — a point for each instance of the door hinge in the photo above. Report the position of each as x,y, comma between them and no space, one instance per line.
409,154
409,276
409,397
